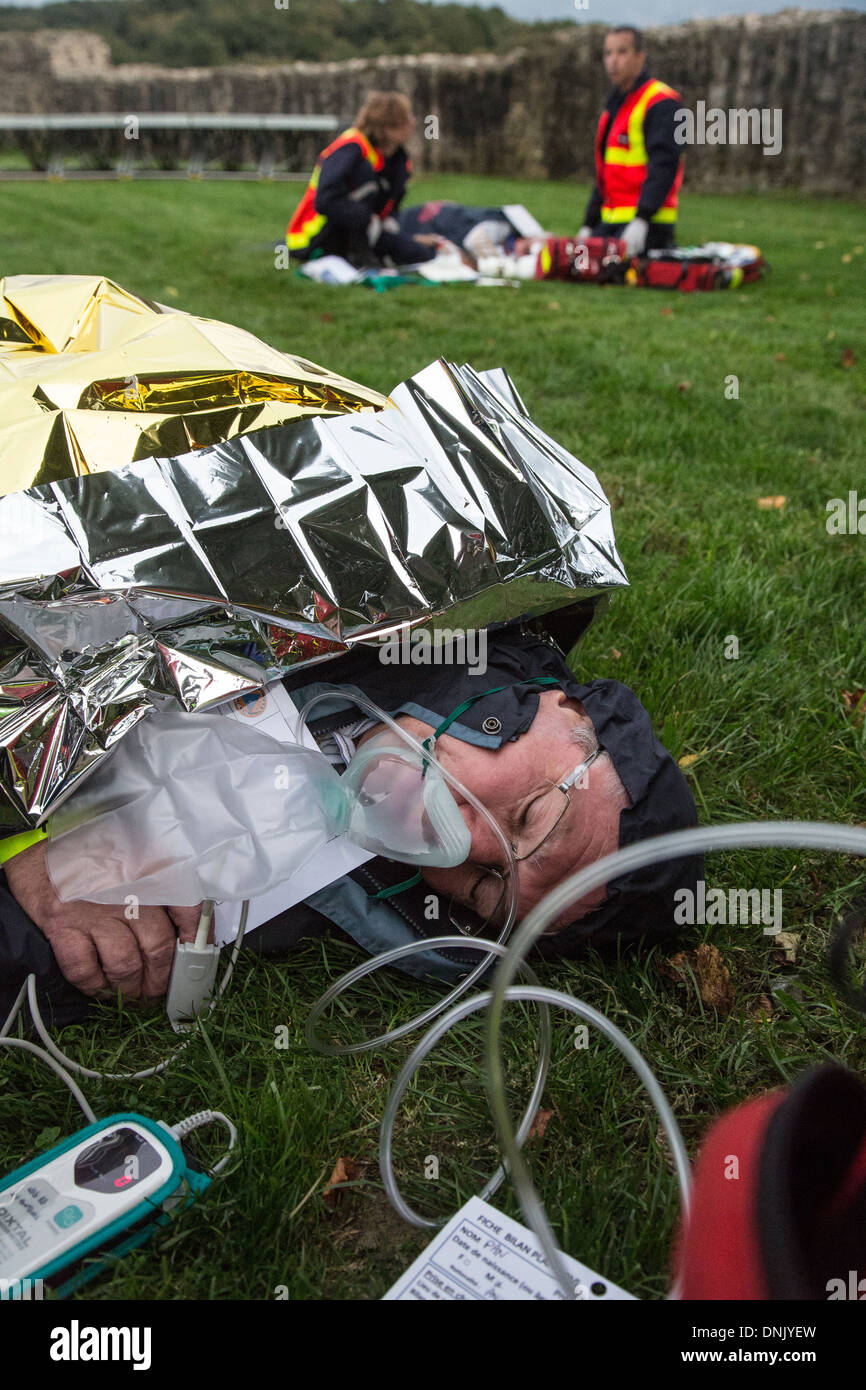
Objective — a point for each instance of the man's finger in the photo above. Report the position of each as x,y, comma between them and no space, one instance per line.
78,962
186,921
154,931
119,956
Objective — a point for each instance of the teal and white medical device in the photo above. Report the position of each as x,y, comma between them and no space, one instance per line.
103,1191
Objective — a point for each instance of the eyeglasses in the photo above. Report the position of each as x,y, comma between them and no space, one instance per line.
544,813
540,820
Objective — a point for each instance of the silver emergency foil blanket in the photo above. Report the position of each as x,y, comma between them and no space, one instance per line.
197,579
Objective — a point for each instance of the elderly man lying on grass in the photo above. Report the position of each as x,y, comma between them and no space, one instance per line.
568,770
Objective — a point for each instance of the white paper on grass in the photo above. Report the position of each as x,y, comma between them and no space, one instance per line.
482,1255
332,270
445,268
273,711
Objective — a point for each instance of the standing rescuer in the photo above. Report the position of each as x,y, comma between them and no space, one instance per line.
349,206
639,167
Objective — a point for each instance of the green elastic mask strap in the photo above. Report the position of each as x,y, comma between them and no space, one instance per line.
467,704
399,887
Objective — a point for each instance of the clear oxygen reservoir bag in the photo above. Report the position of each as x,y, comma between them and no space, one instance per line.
193,806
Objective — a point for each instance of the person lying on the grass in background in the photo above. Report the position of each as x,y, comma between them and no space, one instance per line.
477,232
349,206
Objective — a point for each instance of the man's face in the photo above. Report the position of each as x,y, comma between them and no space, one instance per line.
509,781
622,62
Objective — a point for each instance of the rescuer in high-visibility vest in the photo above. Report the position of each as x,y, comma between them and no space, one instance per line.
638,161
349,206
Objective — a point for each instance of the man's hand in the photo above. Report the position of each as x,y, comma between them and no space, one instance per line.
635,236
100,948
427,239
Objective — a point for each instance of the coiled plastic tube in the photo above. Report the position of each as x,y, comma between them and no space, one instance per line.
416,1057
748,835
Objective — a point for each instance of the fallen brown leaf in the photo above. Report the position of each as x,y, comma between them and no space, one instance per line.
785,945
327,318
553,304
666,313
684,386
711,975
763,1010
345,1170
847,358
688,758
853,700
614,654
780,356
771,503
539,1124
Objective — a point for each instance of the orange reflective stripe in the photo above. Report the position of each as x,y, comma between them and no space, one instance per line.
353,136
306,223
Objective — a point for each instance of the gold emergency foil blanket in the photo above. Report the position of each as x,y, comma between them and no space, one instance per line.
197,578
93,377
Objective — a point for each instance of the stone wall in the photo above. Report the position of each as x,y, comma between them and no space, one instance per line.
530,112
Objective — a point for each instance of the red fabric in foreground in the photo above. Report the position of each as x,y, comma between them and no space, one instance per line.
718,1257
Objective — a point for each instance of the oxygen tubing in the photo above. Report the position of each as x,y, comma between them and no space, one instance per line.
748,835
417,1056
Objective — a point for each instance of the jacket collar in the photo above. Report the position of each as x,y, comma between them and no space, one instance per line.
615,93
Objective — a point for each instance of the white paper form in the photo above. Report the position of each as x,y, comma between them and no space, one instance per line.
483,1255
273,711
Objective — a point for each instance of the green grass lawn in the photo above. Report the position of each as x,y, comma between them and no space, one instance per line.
634,384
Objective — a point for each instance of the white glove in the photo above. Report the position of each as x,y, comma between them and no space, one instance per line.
635,236
584,232
391,224
374,230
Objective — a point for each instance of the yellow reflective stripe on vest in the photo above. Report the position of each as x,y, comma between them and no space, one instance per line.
625,214
636,154
297,241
